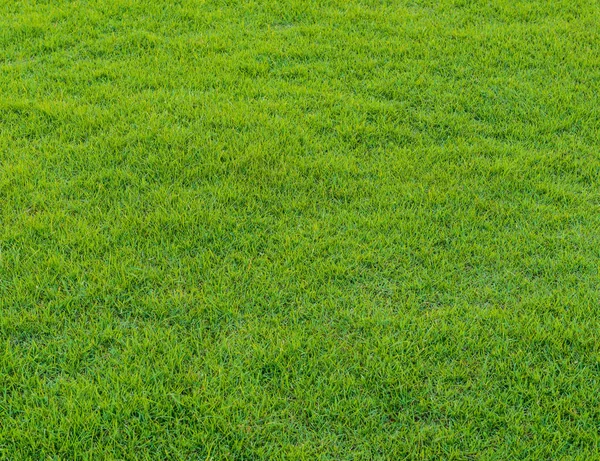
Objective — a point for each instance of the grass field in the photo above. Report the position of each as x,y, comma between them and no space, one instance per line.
335,229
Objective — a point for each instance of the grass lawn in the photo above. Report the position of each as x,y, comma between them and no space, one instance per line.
300,229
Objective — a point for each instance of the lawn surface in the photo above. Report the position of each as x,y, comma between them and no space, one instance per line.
338,229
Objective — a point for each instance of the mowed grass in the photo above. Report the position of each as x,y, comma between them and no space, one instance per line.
335,229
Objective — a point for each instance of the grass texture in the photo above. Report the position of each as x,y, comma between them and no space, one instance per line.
300,230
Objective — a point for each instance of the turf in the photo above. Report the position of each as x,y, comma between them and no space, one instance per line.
344,229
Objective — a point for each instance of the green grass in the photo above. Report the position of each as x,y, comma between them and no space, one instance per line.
344,229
